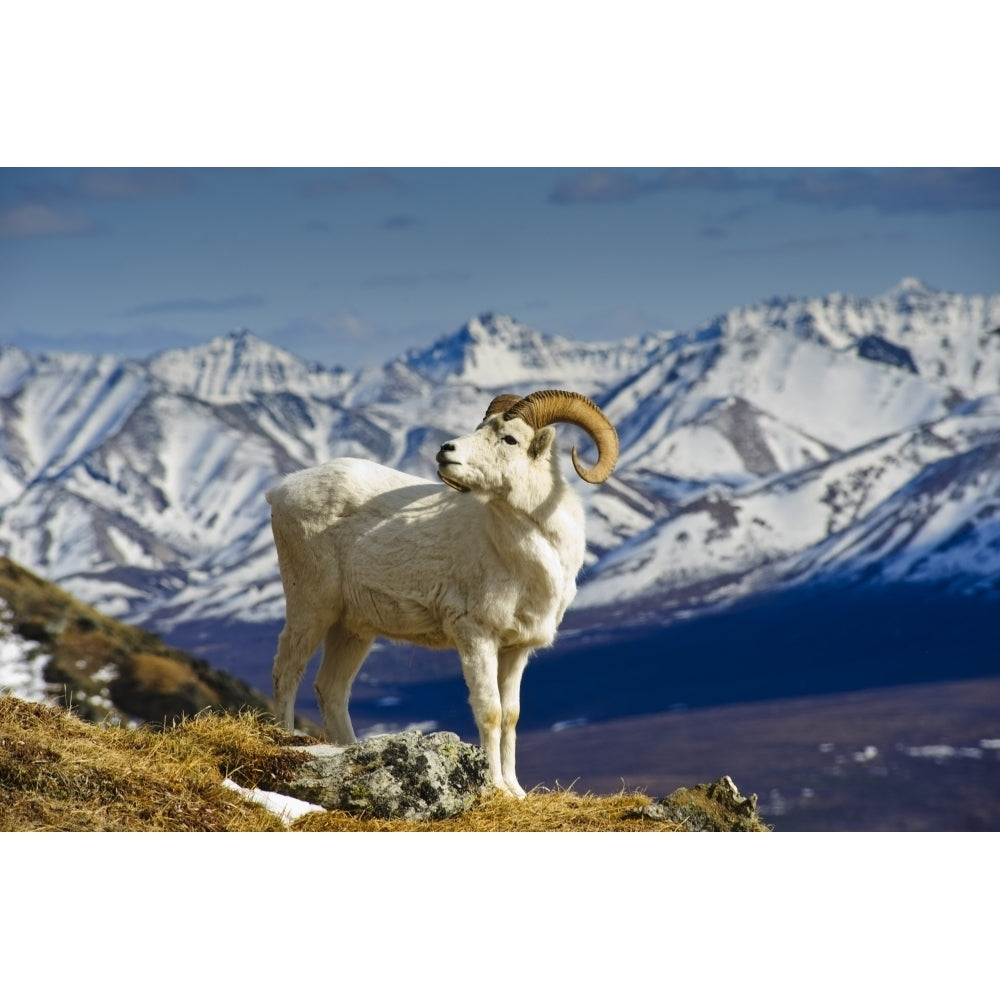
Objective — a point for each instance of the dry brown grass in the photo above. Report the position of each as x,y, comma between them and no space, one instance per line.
165,675
58,772
543,811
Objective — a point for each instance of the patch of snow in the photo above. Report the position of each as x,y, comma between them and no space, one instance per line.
942,752
21,666
285,807
105,674
386,729
558,727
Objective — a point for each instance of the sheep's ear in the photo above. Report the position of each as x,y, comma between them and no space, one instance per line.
541,442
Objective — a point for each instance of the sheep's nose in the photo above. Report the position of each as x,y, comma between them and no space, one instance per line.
441,456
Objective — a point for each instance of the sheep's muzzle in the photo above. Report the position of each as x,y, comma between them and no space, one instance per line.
442,460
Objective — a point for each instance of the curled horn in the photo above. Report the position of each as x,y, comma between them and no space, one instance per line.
501,404
549,406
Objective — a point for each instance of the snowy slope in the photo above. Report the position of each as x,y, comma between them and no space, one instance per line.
786,441
22,665
921,504
59,408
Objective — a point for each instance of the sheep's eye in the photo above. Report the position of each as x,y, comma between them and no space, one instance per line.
510,440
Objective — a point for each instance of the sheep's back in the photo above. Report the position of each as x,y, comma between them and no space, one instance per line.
325,493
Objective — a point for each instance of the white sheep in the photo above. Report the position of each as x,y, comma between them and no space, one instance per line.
487,568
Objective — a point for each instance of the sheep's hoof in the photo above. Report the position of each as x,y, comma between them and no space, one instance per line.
498,789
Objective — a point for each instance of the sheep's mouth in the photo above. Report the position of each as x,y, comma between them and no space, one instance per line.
455,485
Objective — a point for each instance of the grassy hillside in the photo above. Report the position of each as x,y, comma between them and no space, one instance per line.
139,736
58,772
102,668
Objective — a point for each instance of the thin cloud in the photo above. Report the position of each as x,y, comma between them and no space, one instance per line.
57,209
891,190
393,224
719,227
335,325
899,189
348,182
104,184
410,280
32,219
197,305
125,344
397,223
602,185
821,244
137,183
595,186
331,338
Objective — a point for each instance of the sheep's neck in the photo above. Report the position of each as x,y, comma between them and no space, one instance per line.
518,533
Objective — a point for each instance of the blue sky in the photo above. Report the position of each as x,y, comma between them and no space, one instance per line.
351,266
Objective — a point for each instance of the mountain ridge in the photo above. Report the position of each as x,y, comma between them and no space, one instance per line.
771,447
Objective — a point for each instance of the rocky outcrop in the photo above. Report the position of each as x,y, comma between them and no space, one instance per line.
398,776
415,777
716,808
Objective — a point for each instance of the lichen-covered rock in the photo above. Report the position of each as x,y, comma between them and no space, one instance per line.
716,807
398,776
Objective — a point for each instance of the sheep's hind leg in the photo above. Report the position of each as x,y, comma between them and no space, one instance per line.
343,654
511,666
479,667
297,642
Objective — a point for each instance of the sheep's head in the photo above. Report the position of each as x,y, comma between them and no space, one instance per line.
515,441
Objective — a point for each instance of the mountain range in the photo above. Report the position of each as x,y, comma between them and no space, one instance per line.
786,448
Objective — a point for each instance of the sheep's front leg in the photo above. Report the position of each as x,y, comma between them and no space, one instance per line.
479,667
511,666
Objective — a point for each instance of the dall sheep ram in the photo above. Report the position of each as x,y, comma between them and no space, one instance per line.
487,568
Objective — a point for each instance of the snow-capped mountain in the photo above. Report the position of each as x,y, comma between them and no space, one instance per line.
796,440
920,505
241,366
496,352
785,442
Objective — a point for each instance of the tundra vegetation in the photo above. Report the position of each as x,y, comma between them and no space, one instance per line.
59,772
